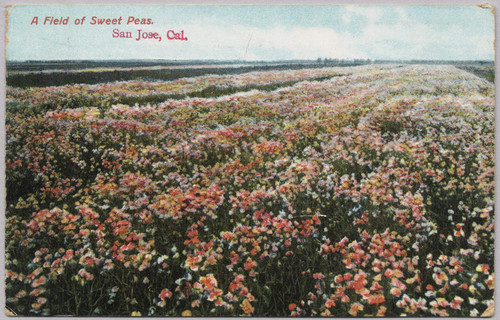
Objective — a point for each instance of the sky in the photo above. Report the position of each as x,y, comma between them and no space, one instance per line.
255,32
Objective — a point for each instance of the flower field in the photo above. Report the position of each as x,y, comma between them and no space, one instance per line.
355,191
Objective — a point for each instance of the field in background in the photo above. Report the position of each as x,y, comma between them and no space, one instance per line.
26,74
485,72
334,191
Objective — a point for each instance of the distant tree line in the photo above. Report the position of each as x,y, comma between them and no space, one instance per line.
55,73
58,78
342,62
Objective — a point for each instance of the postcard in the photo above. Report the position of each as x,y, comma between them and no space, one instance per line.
249,160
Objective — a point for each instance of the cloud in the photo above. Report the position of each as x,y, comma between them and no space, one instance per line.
407,38
306,43
369,14
212,41
389,34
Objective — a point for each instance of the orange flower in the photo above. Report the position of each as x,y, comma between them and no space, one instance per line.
214,294
39,302
456,302
37,292
483,268
292,306
376,287
490,282
355,308
326,313
318,276
329,303
381,311
209,281
38,282
359,281
247,307
186,313
345,298
439,312
376,299
227,236
85,275
192,261
388,273
396,291
396,283
249,264
87,260
439,277
442,302
398,273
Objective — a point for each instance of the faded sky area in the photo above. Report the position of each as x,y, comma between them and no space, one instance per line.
256,32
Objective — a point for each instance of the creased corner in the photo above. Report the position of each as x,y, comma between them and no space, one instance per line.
489,312
487,6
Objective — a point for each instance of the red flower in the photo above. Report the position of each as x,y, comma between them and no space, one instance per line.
318,276
165,293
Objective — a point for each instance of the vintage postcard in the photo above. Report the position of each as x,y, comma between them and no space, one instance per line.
249,160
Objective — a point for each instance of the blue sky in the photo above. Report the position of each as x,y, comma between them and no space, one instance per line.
256,32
